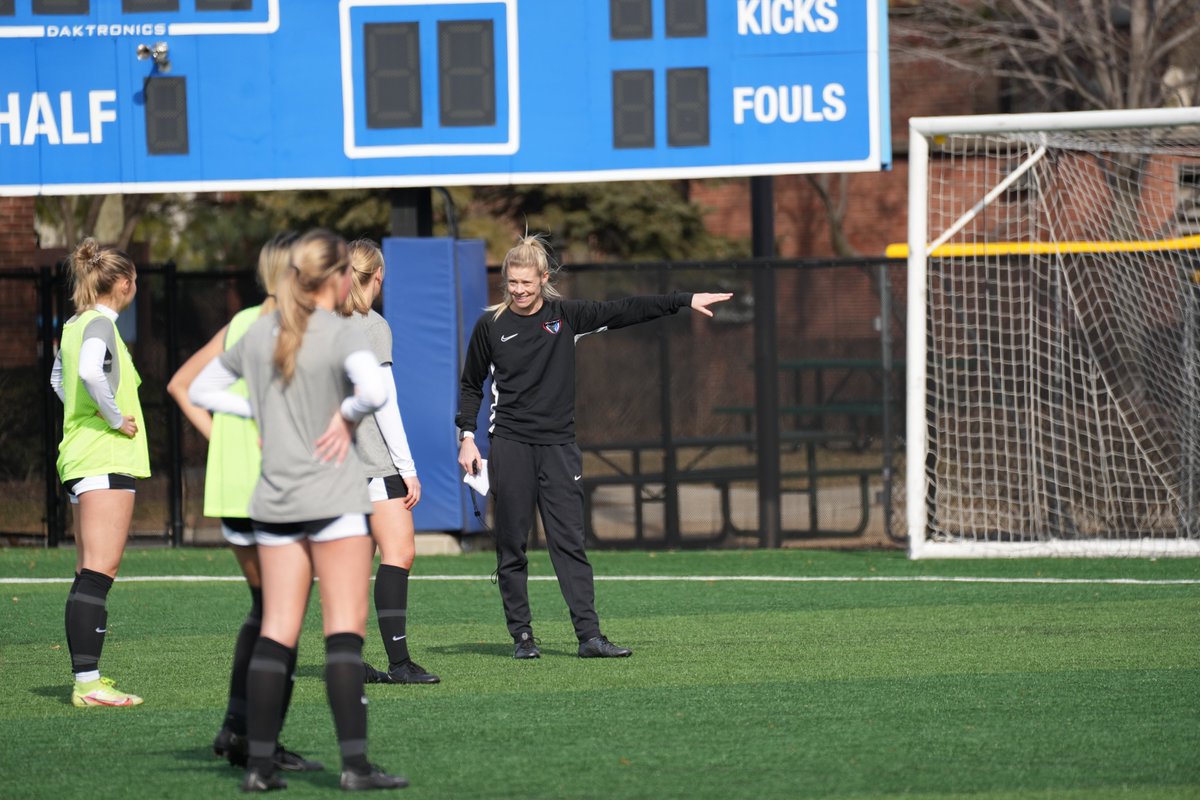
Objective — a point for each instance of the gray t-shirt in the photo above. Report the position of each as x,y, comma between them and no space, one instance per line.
372,448
295,486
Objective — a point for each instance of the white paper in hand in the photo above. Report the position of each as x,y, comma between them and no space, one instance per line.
478,481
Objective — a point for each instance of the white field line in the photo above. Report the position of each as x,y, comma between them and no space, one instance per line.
690,579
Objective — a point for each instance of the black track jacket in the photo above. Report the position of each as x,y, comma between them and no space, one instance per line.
532,363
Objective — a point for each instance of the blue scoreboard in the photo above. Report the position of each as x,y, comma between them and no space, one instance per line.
104,96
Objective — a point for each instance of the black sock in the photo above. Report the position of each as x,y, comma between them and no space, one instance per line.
290,686
266,682
67,611
391,606
235,711
87,620
344,686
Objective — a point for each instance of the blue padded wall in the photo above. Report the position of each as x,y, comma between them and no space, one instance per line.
423,305
473,297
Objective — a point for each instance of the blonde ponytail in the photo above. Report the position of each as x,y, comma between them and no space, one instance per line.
365,261
273,261
529,251
315,258
95,270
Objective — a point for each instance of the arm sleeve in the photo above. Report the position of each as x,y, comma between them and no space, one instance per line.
474,373
209,390
56,381
392,427
590,316
370,392
91,372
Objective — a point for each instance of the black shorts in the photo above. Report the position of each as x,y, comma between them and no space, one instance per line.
314,530
113,480
389,487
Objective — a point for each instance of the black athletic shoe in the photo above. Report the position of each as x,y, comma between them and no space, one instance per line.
373,778
372,675
238,753
526,647
237,750
407,672
291,761
221,743
256,781
600,647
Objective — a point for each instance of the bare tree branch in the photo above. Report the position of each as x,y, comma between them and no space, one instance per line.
1063,54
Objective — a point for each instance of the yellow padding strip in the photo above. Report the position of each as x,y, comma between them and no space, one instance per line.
900,249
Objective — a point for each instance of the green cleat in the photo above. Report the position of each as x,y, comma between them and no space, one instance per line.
102,692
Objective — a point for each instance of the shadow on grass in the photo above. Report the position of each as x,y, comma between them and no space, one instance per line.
60,692
490,649
201,761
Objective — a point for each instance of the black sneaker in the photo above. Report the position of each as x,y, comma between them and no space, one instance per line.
220,744
406,672
526,647
237,750
600,647
372,675
256,781
292,761
373,778
238,754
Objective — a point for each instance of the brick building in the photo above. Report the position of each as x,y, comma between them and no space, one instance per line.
18,294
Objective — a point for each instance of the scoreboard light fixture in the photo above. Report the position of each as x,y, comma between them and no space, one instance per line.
159,52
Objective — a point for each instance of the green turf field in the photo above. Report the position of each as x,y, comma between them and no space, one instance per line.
737,688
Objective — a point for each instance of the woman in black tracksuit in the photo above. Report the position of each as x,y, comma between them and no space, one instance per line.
527,344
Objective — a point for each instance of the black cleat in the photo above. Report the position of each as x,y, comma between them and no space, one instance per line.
526,647
291,761
373,778
600,647
238,753
237,750
406,672
256,781
220,744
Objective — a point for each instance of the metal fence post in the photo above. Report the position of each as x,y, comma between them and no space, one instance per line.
174,426
54,522
766,360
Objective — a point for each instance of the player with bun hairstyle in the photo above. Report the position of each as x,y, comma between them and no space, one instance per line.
101,453
230,475
526,343
311,378
391,477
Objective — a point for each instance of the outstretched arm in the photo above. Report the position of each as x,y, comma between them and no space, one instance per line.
702,300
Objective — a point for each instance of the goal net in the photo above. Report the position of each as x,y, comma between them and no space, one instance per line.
1054,335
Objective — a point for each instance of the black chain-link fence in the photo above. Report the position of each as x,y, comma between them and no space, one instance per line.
666,412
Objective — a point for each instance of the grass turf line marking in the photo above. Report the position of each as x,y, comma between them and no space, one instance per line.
692,579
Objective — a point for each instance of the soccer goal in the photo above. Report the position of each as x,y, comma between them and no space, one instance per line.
1053,404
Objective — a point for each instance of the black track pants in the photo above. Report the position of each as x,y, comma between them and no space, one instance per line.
523,476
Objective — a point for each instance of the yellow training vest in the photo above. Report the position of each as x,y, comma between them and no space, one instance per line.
89,447
234,457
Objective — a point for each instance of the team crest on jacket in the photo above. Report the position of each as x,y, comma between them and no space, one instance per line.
552,326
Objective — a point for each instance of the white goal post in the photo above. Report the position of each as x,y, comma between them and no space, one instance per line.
1053,343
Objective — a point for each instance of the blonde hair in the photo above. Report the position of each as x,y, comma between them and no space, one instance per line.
316,257
95,270
365,261
273,260
529,251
